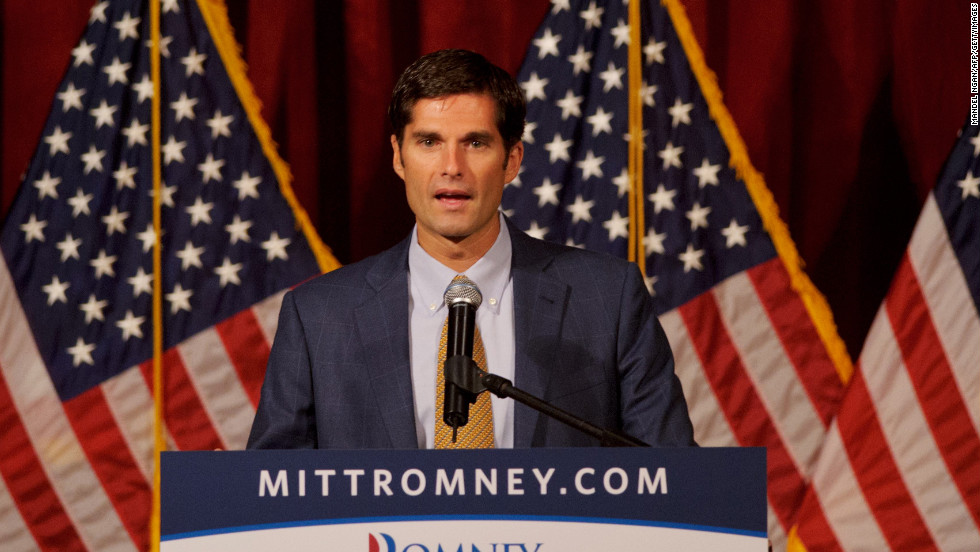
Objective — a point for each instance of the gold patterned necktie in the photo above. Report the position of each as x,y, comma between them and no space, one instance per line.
478,432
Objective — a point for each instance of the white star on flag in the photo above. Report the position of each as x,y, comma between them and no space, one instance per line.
671,155
219,124
600,121
238,230
179,298
211,168
56,290
82,54
33,229
680,113
69,247
71,98
612,77
692,258
127,27
57,141
706,173
79,203
173,151
558,148
184,107
47,186
247,186
617,225
228,273
734,234
200,212
131,326
194,62
698,216
547,193
591,166
93,309
275,247
662,199
547,44
116,71
141,282
570,105
103,264
581,209
534,88
103,114
115,221
190,256
81,352
581,61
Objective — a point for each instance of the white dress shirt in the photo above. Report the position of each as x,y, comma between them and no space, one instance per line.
427,281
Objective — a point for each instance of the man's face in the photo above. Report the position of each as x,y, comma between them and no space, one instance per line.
455,165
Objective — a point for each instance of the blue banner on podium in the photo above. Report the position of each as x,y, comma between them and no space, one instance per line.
529,500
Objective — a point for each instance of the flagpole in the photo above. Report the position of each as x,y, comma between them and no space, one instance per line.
637,224
159,443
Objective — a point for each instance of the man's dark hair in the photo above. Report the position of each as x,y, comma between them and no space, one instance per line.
448,72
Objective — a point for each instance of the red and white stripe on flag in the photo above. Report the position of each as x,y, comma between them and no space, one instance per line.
756,374
77,475
901,466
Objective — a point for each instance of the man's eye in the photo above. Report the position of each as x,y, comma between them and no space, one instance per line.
426,143
476,144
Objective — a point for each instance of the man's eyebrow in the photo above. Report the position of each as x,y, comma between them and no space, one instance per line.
479,135
426,135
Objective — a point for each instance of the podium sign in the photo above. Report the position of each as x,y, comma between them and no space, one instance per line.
529,500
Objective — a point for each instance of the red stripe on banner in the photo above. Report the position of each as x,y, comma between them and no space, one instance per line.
28,485
813,529
876,471
934,383
112,461
184,413
248,350
799,336
740,403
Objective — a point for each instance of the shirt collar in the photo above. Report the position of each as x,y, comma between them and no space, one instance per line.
491,273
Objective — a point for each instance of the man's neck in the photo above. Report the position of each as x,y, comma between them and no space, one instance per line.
462,254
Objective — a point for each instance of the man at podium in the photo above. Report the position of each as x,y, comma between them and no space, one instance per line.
357,361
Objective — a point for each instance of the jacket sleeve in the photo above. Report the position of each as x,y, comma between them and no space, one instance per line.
651,399
285,417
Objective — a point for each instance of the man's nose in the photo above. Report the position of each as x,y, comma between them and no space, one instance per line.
453,161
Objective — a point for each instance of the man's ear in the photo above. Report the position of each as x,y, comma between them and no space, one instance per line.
514,158
396,159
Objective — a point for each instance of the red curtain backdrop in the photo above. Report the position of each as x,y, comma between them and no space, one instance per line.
848,107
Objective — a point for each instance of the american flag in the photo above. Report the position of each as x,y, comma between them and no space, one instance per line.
754,343
76,276
900,469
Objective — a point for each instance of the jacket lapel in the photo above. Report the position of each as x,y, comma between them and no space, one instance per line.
539,310
382,327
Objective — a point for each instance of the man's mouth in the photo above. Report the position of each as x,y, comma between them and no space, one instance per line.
452,197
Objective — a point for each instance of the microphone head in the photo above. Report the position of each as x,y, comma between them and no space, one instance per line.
463,290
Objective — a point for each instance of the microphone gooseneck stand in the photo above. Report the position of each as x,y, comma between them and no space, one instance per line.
471,381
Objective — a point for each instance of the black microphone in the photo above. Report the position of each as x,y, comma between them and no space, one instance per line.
462,298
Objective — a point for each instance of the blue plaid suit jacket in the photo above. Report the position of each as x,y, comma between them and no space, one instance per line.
587,340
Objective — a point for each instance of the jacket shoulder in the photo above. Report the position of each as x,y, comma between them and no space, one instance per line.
570,262
356,279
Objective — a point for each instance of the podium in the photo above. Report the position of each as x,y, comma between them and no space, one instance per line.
526,500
